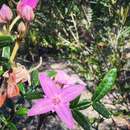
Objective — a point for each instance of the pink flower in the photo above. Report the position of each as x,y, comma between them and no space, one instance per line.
56,100
26,8
5,14
28,13
65,79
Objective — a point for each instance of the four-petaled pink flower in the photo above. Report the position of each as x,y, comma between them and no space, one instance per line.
5,14
56,99
25,9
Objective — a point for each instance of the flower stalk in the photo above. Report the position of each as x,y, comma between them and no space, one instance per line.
15,50
13,23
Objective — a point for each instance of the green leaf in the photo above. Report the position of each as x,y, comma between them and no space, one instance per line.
22,111
22,88
7,38
6,52
124,32
51,73
5,63
75,102
81,105
3,119
1,70
81,120
101,109
35,79
33,95
106,85
4,44
12,126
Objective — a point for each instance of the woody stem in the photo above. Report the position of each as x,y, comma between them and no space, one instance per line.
15,49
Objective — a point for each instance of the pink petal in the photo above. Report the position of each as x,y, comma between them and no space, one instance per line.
63,78
41,106
22,3
48,86
1,20
6,13
27,13
65,115
70,92
32,3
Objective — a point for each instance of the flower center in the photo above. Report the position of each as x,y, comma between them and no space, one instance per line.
56,100
59,85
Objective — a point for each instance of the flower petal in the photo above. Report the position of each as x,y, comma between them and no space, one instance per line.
41,106
3,96
32,3
5,14
63,78
22,3
48,86
70,92
65,115
12,90
27,13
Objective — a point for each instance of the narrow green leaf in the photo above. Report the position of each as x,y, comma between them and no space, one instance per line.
81,105
3,119
106,85
12,126
22,88
51,73
4,44
4,62
101,109
81,120
75,102
22,111
7,38
6,52
33,95
35,79
1,70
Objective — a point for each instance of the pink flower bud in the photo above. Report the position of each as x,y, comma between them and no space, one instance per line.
27,13
5,14
21,27
31,3
25,9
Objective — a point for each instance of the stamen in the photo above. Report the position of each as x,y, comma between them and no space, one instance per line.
56,100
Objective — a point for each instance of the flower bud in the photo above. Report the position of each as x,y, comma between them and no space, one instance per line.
28,13
22,3
21,27
5,14
25,9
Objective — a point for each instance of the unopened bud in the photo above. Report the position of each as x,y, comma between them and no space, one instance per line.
27,13
5,14
21,27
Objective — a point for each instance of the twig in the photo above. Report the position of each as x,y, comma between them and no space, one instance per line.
35,68
75,26
16,47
